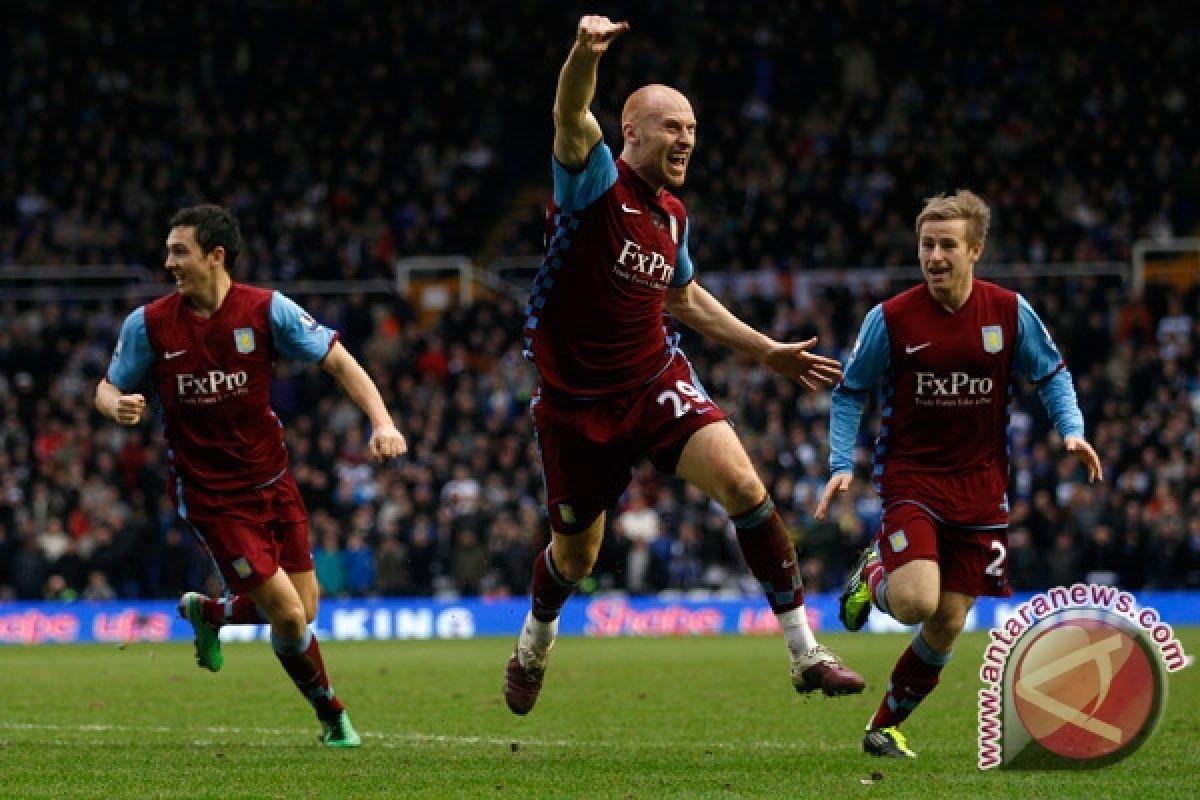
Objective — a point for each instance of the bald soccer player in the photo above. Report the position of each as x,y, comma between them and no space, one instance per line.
615,388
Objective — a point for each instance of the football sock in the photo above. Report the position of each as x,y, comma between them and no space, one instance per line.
302,661
877,583
914,677
550,589
769,554
236,609
538,635
800,638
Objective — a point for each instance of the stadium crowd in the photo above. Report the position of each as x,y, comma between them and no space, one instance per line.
414,133
345,134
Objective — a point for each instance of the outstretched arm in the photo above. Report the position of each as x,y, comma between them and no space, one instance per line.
386,441
699,310
576,130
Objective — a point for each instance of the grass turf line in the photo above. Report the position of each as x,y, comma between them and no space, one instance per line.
619,718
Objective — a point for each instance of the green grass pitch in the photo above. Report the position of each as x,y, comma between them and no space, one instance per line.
619,718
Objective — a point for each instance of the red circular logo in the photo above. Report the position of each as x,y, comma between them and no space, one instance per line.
1084,688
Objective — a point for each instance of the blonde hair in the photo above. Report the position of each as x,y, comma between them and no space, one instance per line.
962,204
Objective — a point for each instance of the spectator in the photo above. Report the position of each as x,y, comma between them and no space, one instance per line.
469,562
29,568
98,588
391,567
330,564
358,562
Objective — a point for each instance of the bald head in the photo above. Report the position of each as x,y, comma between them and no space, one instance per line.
653,98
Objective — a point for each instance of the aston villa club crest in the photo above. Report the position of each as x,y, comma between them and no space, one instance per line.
993,338
244,338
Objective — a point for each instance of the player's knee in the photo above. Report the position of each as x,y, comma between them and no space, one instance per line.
943,628
911,604
289,619
575,564
742,491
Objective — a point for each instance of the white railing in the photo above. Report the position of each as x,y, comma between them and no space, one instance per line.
518,272
1143,248
433,283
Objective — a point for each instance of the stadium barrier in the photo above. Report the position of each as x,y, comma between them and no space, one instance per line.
427,618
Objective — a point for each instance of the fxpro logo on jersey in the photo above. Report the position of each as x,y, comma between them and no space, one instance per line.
211,387
955,389
645,268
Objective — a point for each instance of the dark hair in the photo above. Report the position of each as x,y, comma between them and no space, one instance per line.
215,227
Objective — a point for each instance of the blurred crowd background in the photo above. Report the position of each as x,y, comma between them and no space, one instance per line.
347,135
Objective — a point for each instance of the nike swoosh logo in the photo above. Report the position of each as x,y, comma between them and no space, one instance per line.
629,210
173,354
910,349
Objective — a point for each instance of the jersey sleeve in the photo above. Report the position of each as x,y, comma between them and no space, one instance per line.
1037,357
298,337
577,189
684,271
872,353
871,356
1038,360
133,355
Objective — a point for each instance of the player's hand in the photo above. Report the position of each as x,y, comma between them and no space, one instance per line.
838,483
387,442
596,33
130,408
793,360
1085,453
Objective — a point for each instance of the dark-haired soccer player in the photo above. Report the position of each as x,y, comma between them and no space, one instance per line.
945,353
614,387
209,348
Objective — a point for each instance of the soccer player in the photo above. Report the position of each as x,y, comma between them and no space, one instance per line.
209,348
613,385
944,353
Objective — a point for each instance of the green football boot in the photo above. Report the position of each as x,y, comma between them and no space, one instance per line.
339,732
854,603
207,640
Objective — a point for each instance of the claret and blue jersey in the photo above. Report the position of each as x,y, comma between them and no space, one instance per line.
595,323
946,381
213,378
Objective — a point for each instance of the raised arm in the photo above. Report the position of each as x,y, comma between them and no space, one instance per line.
695,307
576,130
